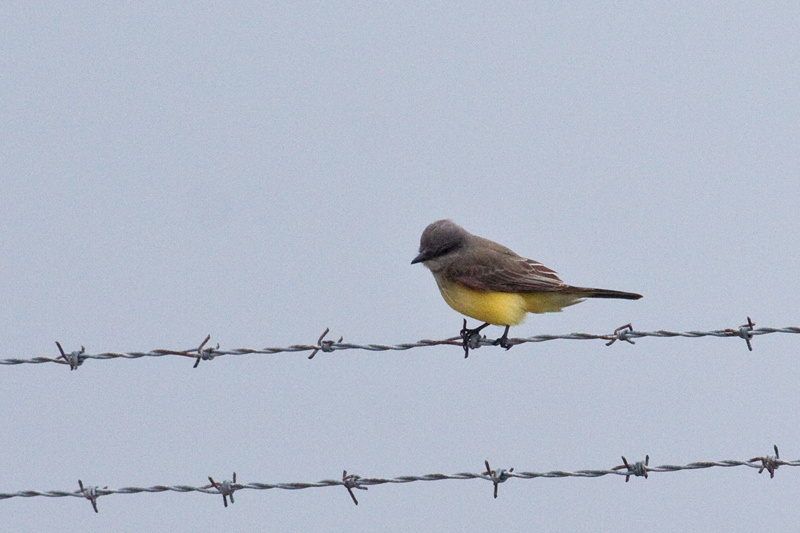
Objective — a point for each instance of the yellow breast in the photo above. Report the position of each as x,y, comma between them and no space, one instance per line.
500,308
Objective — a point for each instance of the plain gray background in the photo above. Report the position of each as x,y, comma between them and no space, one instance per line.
260,172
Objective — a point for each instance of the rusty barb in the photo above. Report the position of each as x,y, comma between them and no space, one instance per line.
325,346
770,463
90,493
636,469
621,334
746,332
352,482
205,354
497,476
225,488
73,359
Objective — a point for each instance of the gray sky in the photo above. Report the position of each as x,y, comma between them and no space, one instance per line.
261,173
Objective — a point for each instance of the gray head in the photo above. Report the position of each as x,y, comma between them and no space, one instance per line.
440,238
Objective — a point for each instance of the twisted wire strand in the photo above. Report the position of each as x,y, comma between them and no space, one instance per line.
76,358
770,463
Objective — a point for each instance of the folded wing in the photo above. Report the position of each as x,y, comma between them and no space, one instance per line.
492,271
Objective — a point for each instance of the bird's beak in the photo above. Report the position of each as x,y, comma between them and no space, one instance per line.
420,258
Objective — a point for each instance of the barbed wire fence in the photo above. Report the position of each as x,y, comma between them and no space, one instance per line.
467,341
226,488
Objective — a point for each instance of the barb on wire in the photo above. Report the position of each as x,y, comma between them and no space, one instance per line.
73,359
90,493
351,481
746,332
497,476
325,346
625,333
621,334
206,354
769,463
225,488
636,469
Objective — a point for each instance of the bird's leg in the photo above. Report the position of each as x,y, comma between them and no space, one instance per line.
471,337
503,341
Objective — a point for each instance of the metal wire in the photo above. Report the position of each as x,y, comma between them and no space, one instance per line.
227,488
626,333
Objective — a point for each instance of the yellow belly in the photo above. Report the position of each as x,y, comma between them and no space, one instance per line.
501,308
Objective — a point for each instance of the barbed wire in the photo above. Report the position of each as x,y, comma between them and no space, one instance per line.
466,340
226,488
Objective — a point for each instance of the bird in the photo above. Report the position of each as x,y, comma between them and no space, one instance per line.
486,281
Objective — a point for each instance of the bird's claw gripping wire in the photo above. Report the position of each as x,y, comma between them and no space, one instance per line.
503,341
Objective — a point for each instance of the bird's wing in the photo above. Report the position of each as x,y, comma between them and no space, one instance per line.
494,270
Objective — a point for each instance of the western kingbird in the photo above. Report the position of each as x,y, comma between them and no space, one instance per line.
488,282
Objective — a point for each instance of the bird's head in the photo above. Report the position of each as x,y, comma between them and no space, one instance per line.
439,239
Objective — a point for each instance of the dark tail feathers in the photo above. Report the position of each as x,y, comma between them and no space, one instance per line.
604,293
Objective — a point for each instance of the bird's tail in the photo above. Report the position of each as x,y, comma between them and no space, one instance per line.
585,292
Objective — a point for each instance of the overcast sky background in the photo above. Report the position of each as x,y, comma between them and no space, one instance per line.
262,172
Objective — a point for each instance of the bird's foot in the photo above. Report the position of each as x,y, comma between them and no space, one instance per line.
503,341
471,337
